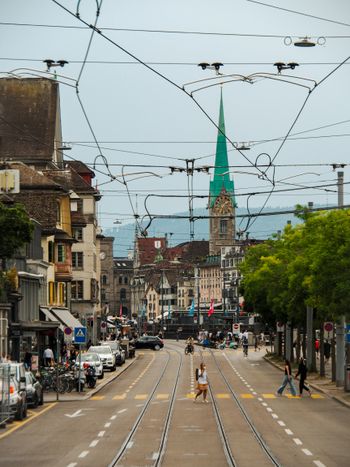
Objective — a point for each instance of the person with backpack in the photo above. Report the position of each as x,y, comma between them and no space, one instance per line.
202,382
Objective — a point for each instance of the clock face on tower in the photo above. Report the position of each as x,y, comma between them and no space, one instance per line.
223,205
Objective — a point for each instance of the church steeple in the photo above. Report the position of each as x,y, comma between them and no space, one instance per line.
221,195
221,178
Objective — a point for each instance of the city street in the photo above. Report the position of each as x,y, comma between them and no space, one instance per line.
147,416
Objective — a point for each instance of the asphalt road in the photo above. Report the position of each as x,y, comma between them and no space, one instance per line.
127,419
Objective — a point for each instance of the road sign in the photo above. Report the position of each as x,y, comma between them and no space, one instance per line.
236,328
348,333
280,327
103,327
68,331
80,335
68,335
328,330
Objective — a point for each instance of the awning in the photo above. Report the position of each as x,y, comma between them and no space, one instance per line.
63,316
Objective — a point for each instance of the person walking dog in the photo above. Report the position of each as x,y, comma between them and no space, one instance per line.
288,379
202,383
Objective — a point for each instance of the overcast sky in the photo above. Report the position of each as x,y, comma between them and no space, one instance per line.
139,117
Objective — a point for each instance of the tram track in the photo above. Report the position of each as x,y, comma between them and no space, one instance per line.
156,461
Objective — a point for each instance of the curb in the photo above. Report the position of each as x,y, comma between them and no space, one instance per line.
314,386
101,386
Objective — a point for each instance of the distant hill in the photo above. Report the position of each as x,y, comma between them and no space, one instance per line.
177,230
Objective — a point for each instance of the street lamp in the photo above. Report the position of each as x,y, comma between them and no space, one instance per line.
52,63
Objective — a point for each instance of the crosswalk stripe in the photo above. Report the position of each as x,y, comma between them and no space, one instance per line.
247,396
97,398
317,396
162,396
223,396
190,395
139,397
269,396
290,396
119,397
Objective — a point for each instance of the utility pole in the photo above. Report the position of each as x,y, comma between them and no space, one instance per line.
197,283
162,301
340,341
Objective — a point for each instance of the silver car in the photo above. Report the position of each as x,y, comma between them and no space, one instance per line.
106,355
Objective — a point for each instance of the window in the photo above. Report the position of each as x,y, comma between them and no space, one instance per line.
77,290
104,279
77,260
120,279
61,293
52,293
78,233
61,253
122,294
51,252
223,226
58,212
125,280
79,205
190,292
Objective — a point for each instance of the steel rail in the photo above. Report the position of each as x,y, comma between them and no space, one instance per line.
137,423
256,433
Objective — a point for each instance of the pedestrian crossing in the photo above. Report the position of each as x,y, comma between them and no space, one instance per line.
165,396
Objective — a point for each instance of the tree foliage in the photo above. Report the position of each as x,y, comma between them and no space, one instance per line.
309,264
16,229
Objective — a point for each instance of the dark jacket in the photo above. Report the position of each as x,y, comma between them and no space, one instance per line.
302,370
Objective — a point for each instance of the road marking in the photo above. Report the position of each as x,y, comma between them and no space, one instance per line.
83,454
76,414
94,443
288,431
252,390
162,396
264,404
316,396
260,399
113,417
268,409
319,464
24,422
72,464
255,393
122,410
269,396
290,396
307,452
191,395
101,433
155,456
297,441
281,423
119,397
140,397
107,425
97,398
247,396
223,396
129,445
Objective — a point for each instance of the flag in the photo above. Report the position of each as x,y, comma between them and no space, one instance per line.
211,308
120,311
191,309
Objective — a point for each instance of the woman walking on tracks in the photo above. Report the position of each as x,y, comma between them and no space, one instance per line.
202,383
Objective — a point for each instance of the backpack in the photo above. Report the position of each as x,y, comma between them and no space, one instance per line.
197,373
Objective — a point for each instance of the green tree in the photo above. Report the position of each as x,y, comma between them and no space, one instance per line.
16,230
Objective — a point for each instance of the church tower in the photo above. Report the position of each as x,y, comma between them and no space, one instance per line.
221,196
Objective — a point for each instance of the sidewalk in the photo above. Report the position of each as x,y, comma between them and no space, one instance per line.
86,394
324,385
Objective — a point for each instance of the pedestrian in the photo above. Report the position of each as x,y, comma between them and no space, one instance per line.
202,383
317,347
327,350
288,379
245,343
48,356
27,360
256,342
302,372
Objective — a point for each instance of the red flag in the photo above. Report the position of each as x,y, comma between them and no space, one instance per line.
121,310
211,309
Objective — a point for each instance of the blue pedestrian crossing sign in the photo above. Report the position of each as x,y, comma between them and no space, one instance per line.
80,335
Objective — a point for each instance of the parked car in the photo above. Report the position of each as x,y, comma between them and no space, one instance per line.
149,342
18,394
117,350
106,355
35,392
93,359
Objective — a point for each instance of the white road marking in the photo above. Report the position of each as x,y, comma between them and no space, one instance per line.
113,417
155,456
274,415
307,452
101,433
122,410
83,454
73,464
107,425
297,441
260,399
268,409
319,464
94,443
288,431
281,423
264,404
255,393
129,445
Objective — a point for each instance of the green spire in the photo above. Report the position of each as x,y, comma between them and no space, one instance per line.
221,178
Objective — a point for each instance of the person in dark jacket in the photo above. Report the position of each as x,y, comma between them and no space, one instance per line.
302,372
